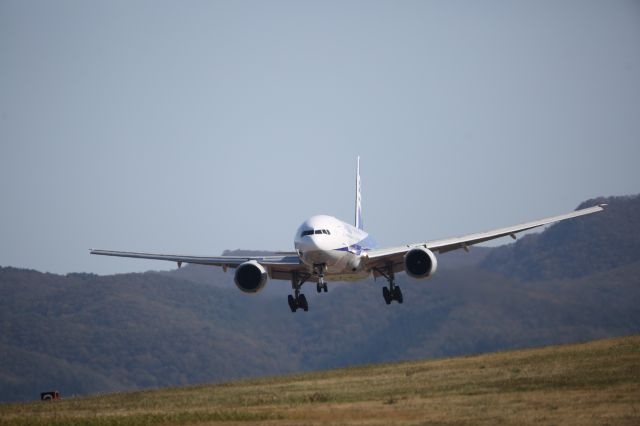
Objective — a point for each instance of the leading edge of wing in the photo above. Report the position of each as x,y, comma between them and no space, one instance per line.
225,261
449,244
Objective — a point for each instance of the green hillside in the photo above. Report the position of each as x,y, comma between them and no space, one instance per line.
84,334
591,383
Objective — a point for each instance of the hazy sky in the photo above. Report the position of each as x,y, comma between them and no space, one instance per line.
194,127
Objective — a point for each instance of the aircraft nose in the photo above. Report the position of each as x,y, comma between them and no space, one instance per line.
320,242
314,243
308,243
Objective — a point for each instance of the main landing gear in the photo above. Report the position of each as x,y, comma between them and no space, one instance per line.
298,300
392,292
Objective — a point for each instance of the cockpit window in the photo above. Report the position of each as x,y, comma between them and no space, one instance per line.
315,231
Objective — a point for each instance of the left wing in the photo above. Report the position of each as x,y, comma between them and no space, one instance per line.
278,267
395,255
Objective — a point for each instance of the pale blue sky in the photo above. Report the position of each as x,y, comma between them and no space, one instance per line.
194,127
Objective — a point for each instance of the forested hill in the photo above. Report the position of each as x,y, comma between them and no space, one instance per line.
83,333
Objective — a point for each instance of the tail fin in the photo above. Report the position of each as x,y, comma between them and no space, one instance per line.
358,218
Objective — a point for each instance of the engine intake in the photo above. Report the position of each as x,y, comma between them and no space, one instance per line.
420,263
250,277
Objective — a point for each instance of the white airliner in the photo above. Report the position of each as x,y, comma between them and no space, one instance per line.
328,249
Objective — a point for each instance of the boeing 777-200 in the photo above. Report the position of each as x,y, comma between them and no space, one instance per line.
328,249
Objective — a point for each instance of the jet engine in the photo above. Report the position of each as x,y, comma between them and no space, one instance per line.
250,277
420,263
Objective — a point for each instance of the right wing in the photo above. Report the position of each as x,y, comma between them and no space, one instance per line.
395,255
278,267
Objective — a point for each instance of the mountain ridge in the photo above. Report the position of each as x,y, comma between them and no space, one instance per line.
84,333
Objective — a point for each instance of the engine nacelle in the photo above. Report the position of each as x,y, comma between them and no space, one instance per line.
420,263
250,277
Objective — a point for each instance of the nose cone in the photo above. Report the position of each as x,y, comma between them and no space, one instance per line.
313,223
320,242
317,247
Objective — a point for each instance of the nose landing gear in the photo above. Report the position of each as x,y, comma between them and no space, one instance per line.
319,270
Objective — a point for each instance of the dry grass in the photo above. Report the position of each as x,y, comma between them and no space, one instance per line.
593,383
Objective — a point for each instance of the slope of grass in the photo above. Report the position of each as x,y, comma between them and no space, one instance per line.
591,383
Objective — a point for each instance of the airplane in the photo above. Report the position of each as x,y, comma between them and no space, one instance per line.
328,249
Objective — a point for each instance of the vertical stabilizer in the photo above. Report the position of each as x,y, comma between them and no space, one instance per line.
358,218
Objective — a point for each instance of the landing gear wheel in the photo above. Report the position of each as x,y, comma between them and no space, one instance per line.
386,295
321,285
302,302
292,303
297,300
397,295
392,292
319,271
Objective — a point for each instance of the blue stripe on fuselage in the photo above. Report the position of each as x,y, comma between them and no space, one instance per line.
366,244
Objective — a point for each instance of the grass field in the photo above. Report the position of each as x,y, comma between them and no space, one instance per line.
591,383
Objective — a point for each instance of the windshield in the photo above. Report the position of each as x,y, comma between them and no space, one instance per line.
315,231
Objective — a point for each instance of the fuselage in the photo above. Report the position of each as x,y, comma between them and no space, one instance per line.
326,240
